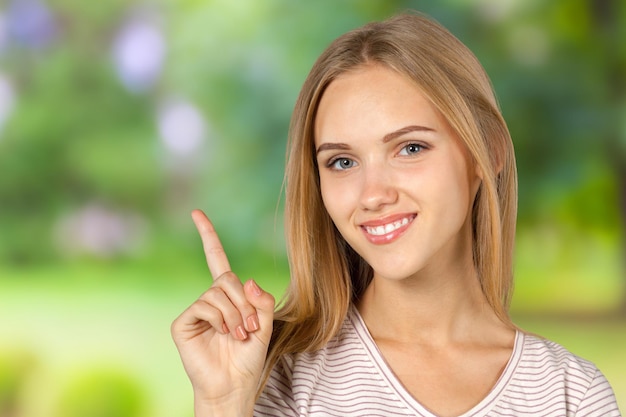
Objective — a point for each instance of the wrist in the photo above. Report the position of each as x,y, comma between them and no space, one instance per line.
232,405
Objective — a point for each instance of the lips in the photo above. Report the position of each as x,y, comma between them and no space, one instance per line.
388,229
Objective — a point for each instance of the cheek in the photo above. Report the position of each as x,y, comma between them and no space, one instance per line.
446,192
462,178
337,200
460,195
329,197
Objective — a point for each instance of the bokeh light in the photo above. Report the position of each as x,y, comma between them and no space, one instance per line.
182,127
139,52
30,23
7,100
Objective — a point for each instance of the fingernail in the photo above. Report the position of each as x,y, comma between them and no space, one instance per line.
241,333
225,328
255,288
253,323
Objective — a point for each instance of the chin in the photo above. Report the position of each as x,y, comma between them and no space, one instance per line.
393,273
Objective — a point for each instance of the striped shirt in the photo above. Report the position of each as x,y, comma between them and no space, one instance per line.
349,377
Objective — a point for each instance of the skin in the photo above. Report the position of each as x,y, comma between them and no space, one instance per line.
223,337
405,163
399,186
385,156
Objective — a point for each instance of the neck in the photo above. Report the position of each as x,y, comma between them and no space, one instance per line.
430,308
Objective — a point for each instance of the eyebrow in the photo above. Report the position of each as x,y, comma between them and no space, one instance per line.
328,146
388,137
413,128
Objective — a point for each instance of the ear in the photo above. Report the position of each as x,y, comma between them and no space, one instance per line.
478,171
478,180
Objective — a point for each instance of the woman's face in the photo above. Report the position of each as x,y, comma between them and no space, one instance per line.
394,178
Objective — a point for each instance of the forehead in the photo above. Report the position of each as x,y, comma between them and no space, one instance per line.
373,100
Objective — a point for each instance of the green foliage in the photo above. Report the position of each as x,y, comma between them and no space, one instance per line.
78,137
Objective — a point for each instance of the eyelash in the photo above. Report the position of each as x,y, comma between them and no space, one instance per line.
333,161
417,145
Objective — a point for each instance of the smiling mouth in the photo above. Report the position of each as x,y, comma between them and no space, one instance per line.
389,227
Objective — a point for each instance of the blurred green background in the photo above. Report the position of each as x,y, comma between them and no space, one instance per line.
118,117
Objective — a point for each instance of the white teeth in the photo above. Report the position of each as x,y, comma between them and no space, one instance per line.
388,228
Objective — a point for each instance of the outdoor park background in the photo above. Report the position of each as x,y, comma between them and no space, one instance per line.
118,117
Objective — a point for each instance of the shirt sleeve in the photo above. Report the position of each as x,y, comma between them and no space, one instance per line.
599,400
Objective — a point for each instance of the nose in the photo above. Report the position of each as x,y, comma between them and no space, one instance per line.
378,189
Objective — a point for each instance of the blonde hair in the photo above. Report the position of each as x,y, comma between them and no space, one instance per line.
326,274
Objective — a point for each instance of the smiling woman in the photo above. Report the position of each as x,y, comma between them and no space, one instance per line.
409,175
400,209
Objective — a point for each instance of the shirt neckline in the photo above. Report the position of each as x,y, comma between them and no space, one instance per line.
486,404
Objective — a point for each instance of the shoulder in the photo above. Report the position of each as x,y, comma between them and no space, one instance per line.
547,373
541,355
335,357
300,376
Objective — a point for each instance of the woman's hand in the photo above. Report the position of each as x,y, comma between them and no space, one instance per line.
223,337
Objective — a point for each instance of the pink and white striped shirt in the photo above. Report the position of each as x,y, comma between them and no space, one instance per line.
349,377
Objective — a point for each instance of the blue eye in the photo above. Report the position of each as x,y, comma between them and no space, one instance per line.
411,149
342,163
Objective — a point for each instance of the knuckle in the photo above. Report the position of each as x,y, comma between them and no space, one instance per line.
228,278
247,309
174,327
207,311
215,251
232,317
233,320
211,295
220,306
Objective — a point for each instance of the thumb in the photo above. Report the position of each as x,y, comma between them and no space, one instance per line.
263,302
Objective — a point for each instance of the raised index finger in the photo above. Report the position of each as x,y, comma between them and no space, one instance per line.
213,249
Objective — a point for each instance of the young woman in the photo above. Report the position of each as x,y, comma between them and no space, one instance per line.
400,212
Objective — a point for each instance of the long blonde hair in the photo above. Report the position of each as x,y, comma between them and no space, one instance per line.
326,274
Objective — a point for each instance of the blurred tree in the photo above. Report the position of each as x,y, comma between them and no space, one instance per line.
144,110
76,135
609,25
558,70
245,74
